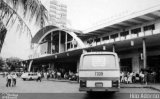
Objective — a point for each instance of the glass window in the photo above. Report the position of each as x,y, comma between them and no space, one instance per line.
135,31
114,36
99,62
125,33
149,27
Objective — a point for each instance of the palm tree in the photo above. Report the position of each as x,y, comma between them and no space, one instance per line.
9,14
3,32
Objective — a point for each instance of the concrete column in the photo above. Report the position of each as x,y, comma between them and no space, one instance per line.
30,64
78,63
51,41
101,40
144,54
104,48
119,35
52,66
142,29
109,37
66,43
59,41
113,48
129,31
135,64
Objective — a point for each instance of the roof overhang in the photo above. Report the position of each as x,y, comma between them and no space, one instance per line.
69,56
126,21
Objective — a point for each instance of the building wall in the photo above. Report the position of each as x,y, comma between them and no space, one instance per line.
58,13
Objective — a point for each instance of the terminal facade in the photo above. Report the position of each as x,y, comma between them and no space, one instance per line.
135,38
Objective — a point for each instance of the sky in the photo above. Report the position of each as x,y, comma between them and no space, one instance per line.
81,15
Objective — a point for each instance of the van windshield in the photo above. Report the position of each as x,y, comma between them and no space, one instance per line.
99,62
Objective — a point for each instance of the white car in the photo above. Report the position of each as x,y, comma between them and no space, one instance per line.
29,76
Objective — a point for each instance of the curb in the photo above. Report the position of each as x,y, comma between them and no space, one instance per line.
141,87
57,80
154,88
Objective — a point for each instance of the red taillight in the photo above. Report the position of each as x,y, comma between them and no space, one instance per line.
115,83
82,83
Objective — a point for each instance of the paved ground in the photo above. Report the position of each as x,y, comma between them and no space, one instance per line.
53,86
39,87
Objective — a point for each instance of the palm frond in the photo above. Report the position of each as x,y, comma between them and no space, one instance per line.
31,8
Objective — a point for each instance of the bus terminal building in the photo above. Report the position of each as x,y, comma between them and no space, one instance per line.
134,37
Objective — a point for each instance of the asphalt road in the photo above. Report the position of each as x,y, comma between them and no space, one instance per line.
64,90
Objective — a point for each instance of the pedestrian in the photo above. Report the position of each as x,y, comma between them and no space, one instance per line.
133,77
145,77
130,78
47,75
58,75
122,79
9,78
14,76
141,77
39,77
126,78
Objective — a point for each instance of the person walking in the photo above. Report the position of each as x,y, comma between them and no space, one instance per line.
133,77
14,76
9,78
122,77
141,77
145,77
39,76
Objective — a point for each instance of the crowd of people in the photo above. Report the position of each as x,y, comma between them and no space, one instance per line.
60,74
143,77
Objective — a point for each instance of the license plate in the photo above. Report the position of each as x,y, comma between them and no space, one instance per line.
99,84
98,74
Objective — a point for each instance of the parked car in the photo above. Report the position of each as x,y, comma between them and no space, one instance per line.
29,76
1,73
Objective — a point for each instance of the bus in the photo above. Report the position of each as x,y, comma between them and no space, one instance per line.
99,71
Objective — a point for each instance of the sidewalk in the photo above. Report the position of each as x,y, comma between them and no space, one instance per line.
155,86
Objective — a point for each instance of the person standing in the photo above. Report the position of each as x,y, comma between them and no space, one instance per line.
133,77
14,76
9,78
145,77
141,77
39,76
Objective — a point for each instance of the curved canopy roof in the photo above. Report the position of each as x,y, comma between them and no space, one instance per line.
41,32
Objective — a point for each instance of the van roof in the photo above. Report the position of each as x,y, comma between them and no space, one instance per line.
99,53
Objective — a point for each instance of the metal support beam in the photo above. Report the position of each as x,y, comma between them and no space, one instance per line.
144,54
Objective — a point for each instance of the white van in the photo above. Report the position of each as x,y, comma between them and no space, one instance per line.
99,71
